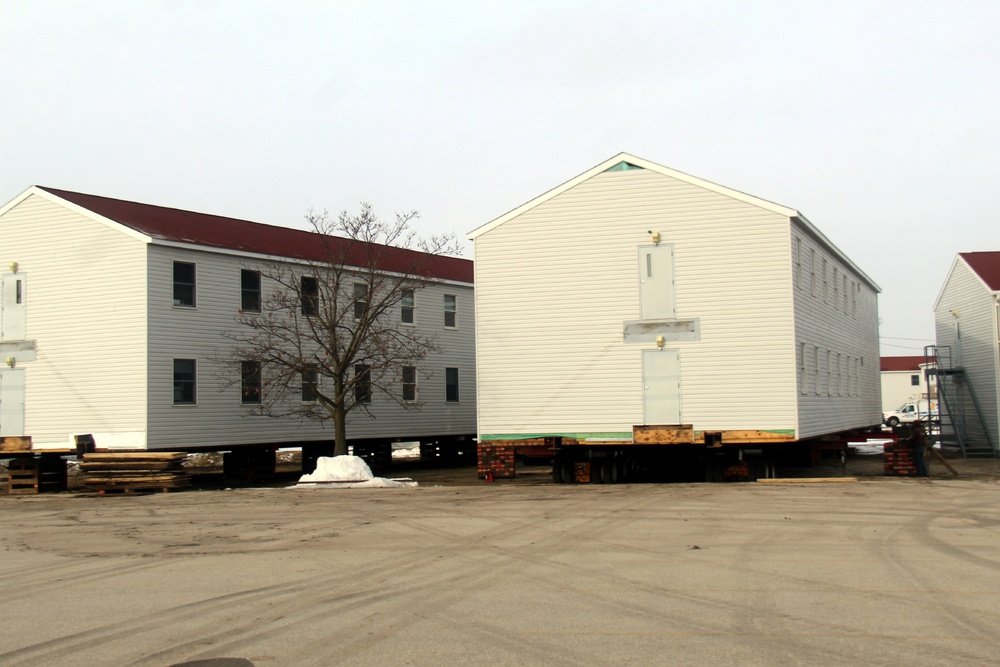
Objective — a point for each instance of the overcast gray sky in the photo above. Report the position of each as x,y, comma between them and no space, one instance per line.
877,120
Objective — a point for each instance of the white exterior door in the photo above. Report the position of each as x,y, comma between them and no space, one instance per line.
12,320
661,387
12,401
656,282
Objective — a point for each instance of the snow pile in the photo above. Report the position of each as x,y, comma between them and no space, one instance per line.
339,469
350,472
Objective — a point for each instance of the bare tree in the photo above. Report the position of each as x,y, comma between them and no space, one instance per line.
327,337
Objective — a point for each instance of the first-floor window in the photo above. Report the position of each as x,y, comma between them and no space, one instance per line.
829,386
409,383
185,381
310,383
250,382
451,385
816,370
803,378
362,383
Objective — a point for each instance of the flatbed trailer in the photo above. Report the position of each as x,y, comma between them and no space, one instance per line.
666,453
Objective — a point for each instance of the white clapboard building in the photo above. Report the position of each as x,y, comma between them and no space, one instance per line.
967,323
636,294
112,321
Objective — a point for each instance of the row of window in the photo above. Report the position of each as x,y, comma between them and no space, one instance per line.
250,296
832,281
823,371
251,383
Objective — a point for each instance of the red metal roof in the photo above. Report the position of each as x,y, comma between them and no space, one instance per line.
987,265
171,224
911,363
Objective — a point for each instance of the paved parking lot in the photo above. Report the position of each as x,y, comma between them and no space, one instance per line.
882,571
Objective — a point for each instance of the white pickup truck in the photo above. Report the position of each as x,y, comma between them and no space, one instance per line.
911,411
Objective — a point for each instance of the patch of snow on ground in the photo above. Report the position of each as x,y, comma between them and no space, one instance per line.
871,447
405,450
348,472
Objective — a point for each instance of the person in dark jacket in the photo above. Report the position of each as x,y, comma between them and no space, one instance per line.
918,441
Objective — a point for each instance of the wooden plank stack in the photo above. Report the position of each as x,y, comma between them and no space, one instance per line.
18,444
110,472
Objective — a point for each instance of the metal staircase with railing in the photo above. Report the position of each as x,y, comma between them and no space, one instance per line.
962,426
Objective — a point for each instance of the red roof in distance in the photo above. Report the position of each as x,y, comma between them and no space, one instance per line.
910,363
171,224
986,265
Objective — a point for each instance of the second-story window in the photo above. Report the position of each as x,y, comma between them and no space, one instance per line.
309,295
250,291
406,307
450,311
360,300
184,284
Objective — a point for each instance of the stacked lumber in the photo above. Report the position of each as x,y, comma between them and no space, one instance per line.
18,444
134,471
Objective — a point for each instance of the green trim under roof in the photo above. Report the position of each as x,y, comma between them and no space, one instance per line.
623,166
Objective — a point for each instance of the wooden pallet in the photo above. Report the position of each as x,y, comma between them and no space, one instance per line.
131,472
29,476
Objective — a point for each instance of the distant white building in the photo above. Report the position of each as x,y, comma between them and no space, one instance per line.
636,294
967,320
112,323
903,379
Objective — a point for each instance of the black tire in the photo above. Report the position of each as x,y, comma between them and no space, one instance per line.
892,422
609,472
624,470
568,473
597,471
557,472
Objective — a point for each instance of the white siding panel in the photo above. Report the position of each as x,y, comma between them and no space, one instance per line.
977,352
219,418
555,284
85,308
846,327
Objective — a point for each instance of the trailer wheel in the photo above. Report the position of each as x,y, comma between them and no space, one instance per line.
569,473
609,472
624,470
557,472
